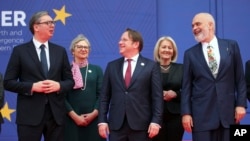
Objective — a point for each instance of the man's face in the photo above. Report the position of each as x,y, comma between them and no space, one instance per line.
201,28
126,45
44,29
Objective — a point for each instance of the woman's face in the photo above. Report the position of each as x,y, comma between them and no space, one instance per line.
166,50
81,50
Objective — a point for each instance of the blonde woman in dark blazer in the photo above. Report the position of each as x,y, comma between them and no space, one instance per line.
165,53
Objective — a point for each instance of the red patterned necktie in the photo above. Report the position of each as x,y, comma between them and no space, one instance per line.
128,73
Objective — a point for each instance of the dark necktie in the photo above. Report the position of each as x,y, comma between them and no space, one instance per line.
128,73
44,60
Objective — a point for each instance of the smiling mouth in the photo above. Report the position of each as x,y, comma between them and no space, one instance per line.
197,32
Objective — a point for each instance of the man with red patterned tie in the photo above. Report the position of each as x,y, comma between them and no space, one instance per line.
131,106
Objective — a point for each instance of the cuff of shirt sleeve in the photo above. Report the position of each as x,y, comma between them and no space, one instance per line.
156,124
102,123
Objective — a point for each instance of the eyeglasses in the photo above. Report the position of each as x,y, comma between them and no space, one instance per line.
48,23
81,47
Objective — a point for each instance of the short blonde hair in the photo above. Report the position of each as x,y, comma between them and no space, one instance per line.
157,46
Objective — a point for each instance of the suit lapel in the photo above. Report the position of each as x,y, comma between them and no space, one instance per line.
31,49
224,52
201,58
120,73
140,65
52,57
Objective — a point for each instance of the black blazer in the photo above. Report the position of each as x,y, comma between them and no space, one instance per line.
141,102
24,68
174,82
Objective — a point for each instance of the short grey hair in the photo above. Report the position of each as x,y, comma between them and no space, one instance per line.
77,39
209,18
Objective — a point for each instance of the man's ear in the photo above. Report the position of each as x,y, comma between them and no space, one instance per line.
136,44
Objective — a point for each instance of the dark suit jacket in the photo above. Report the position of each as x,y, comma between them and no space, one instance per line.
247,75
174,82
24,68
211,101
141,102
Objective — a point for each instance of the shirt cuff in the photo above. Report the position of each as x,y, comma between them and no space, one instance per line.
102,123
156,124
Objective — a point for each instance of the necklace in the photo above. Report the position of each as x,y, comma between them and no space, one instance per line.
165,68
85,79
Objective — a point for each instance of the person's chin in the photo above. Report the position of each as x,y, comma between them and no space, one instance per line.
198,38
121,51
51,35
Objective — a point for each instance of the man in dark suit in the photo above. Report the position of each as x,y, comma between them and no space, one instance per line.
134,110
214,88
41,92
1,98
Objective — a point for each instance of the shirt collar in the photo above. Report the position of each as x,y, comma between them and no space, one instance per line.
38,44
212,43
134,58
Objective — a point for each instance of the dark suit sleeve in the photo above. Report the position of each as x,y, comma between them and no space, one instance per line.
239,77
157,96
67,82
247,76
186,86
12,73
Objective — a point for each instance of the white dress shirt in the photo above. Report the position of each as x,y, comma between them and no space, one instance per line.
38,50
216,51
133,64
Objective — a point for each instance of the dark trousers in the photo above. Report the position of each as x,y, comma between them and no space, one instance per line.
48,128
219,134
128,134
171,129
